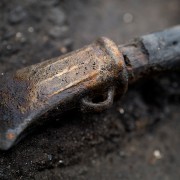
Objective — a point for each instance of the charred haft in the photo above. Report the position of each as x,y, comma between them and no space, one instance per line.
74,80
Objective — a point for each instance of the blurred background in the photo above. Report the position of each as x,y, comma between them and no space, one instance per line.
138,138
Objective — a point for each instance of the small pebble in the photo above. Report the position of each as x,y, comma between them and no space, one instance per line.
61,161
31,29
57,16
50,157
157,154
17,15
128,18
63,50
20,37
122,154
57,32
121,111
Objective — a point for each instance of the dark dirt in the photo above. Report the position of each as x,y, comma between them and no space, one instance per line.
138,138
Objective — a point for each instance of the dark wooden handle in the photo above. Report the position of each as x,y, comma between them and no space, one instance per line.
153,53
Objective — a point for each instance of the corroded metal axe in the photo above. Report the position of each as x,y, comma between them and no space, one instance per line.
77,78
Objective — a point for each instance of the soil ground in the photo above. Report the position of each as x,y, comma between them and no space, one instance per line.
138,138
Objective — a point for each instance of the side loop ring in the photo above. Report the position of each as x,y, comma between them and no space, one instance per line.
87,105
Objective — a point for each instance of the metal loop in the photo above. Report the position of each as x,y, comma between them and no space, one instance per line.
87,105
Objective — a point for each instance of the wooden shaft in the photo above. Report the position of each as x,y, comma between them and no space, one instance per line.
153,53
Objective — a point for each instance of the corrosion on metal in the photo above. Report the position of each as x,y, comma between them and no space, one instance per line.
30,92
